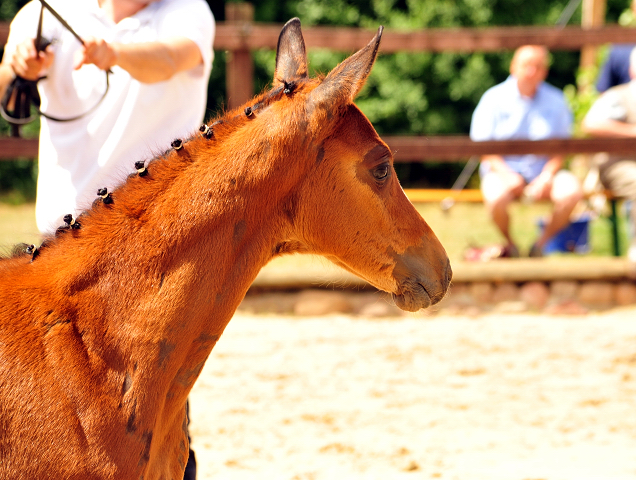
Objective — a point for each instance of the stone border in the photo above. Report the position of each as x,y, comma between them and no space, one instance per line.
560,297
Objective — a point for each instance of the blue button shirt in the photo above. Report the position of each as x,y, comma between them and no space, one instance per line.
504,114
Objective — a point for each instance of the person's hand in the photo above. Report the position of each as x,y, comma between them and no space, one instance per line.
539,187
98,52
28,63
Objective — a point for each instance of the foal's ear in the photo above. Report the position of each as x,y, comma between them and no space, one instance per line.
291,57
345,81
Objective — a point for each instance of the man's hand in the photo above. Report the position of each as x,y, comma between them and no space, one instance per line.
28,63
98,52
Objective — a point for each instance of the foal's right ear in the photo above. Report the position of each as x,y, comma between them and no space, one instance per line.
291,57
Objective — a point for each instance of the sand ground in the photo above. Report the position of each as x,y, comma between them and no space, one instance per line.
496,397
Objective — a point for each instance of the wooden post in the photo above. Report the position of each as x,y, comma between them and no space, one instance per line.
240,69
593,15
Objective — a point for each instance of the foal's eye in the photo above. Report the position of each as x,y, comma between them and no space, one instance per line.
381,172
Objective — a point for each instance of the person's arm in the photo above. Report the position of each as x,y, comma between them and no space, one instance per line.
147,62
540,186
6,77
607,116
608,127
496,163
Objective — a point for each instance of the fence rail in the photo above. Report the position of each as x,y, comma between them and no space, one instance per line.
252,36
416,149
243,36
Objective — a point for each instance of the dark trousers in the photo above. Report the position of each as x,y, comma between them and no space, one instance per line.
191,467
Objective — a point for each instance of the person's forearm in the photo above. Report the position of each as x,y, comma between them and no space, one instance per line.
553,165
156,61
609,128
6,76
495,162
147,62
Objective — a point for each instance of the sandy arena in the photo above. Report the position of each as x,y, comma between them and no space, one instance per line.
495,397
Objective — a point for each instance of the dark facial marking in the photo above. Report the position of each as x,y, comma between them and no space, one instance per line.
321,155
165,349
146,438
186,379
376,153
130,425
206,340
50,323
239,230
127,384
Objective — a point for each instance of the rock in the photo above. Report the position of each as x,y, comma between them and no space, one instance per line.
380,308
566,307
481,292
596,294
564,290
535,295
625,293
505,292
321,302
511,306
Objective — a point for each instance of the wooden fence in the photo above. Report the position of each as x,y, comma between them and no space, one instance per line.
240,36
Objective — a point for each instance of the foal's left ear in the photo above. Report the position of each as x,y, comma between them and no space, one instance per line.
291,57
345,81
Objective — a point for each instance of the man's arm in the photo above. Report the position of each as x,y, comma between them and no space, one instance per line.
496,163
147,62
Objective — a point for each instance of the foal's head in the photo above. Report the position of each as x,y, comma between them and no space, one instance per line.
346,203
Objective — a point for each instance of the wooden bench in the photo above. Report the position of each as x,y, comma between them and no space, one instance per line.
439,195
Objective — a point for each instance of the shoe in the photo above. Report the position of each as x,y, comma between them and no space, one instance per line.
535,251
510,251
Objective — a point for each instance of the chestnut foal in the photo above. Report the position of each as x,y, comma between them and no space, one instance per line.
105,328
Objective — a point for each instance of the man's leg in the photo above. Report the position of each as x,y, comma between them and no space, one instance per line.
565,193
498,190
191,467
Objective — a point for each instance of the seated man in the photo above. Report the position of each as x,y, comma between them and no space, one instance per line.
614,115
525,107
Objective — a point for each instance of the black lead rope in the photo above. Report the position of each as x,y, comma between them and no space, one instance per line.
23,94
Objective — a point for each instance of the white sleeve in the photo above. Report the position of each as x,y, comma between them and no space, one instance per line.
24,25
191,19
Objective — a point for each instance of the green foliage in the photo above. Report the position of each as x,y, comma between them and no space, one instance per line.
413,93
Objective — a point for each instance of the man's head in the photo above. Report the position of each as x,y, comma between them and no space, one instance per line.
530,67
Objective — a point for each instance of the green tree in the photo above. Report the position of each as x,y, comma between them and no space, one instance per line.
408,93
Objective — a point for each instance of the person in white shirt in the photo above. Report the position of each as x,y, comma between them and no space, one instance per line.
160,55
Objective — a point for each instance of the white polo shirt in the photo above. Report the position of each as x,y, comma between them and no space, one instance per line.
135,121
